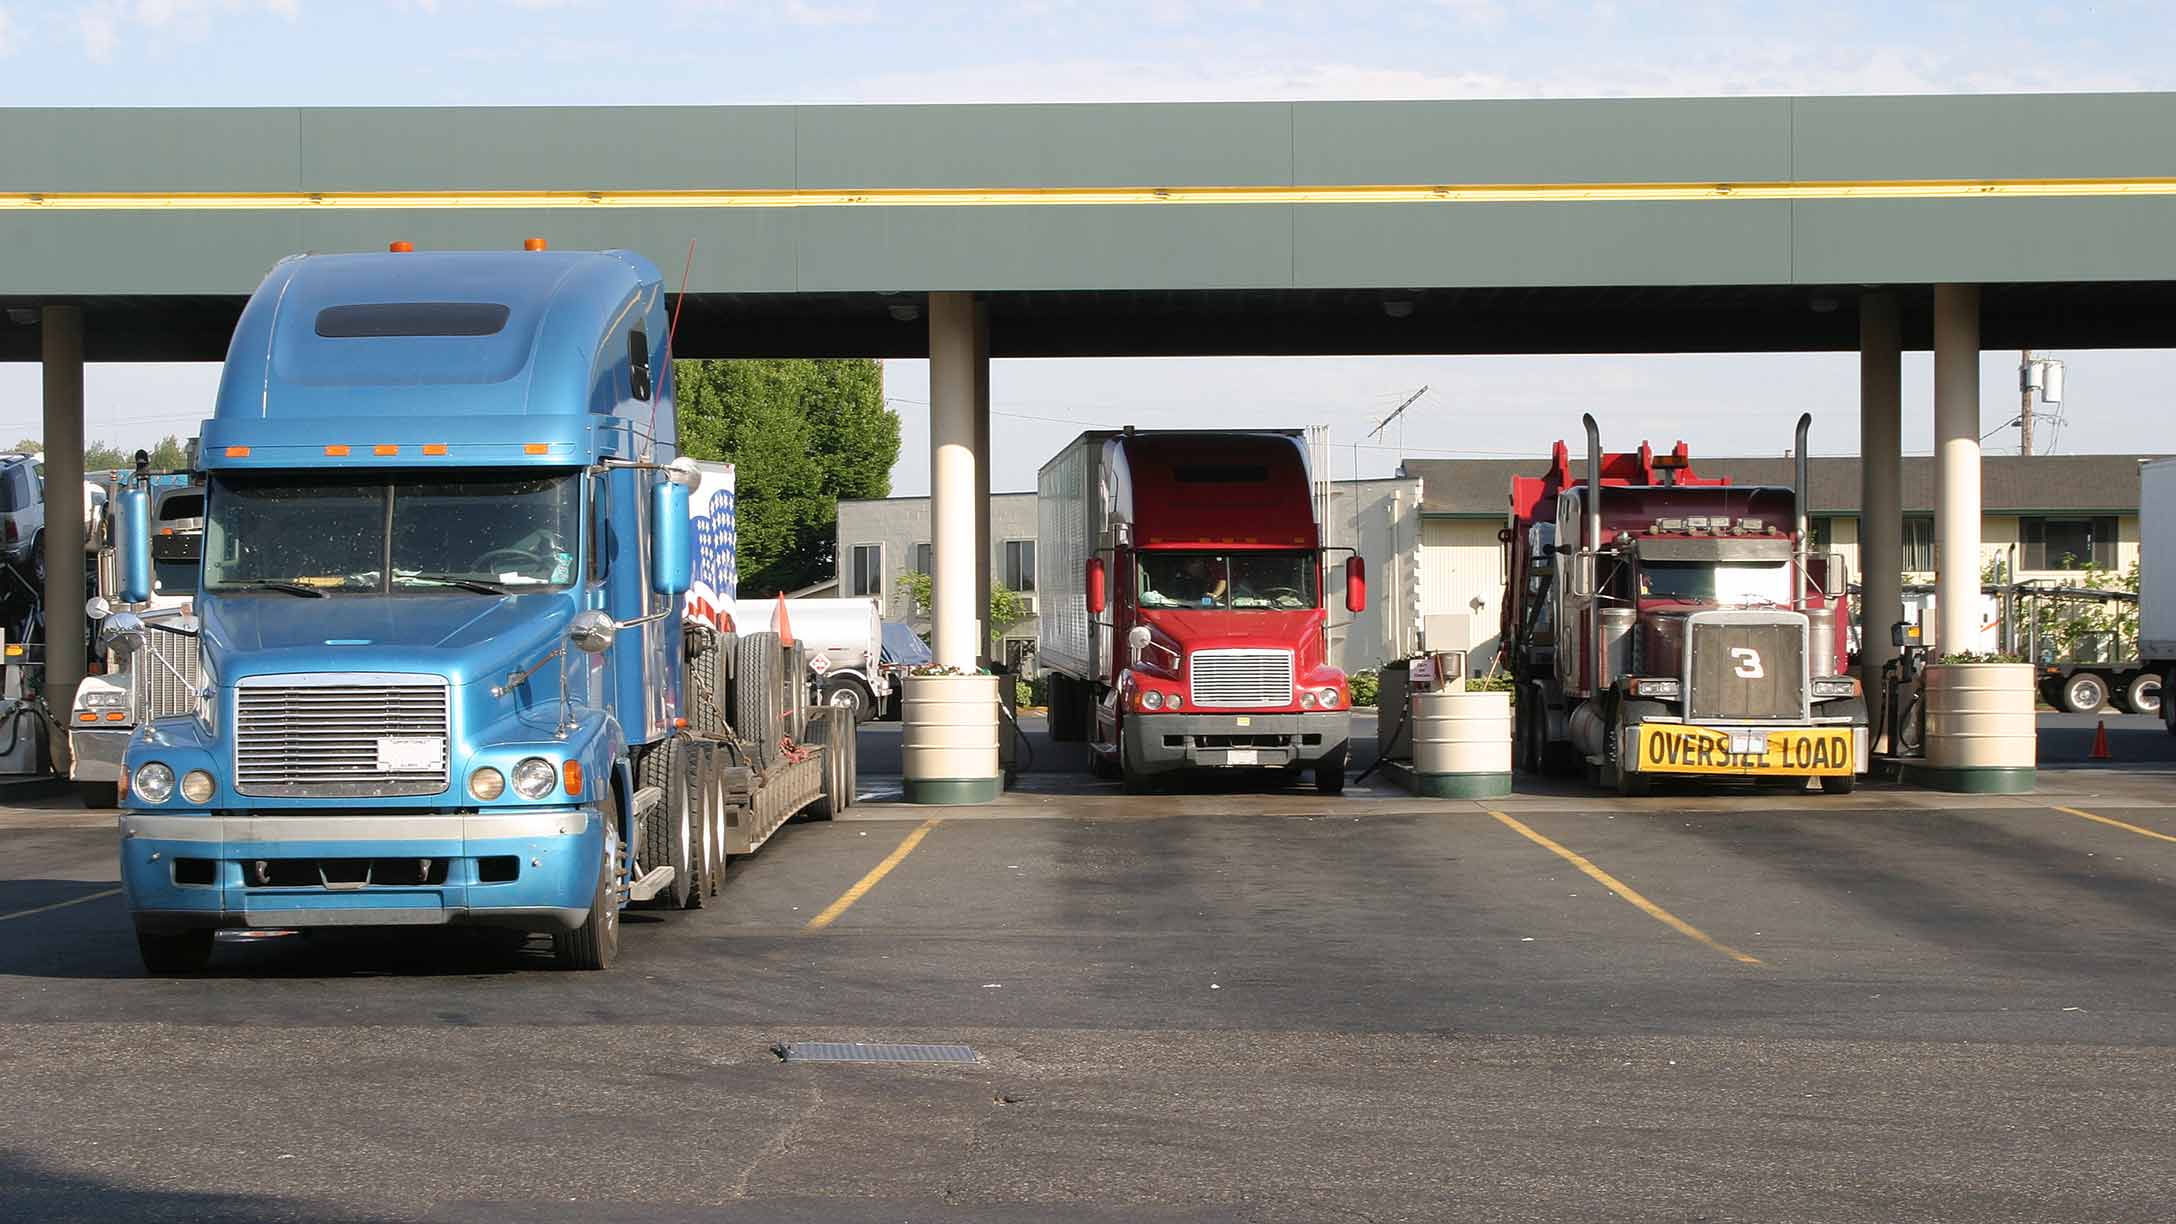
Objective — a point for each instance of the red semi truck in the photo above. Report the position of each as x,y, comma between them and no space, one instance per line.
1183,626
1660,624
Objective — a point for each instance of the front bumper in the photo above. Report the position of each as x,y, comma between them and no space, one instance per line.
1162,743
534,870
1790,750
95,755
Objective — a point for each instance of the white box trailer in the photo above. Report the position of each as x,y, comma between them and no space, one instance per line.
2157,575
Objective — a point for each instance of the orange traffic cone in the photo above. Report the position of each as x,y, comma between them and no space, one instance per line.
2100,743
785,631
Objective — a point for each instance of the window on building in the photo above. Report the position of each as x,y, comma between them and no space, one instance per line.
1020,564
1822,533
865,576
1918,544
1020,655
922,562
2066,543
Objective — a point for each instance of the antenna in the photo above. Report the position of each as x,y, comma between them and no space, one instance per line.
1397,412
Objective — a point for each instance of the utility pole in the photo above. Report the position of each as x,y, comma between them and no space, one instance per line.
2024,407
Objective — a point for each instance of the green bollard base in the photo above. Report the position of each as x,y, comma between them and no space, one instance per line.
954,791
1462,786
1991,780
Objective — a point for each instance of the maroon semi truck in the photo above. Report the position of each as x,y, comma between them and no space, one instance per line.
1183,620
1661,624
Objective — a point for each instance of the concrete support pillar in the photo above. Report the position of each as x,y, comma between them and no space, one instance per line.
61,341
984,650
1881,501
955,622
1957,466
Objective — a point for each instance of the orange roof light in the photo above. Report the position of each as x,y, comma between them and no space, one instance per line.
401,248
384,449
532,244
337,450
434,448
237,452
573,779
536,448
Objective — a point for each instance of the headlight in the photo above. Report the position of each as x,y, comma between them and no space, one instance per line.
1669,688
153,782
1152,700
1171,701
1835,686
534,778
1307,700
103,699
1328,698
196,786
487,784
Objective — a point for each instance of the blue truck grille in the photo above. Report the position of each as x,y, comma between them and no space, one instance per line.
340,736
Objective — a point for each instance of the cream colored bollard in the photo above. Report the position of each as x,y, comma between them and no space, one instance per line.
1461,745
949,739
1981,734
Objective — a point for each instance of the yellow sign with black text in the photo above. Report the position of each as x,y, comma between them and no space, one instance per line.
1810,753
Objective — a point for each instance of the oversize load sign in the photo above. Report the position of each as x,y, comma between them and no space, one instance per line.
1822,752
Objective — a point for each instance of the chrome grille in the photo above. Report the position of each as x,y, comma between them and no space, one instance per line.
161,691
325,735
1224,679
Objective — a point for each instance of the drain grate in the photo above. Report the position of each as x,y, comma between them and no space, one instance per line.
872,1051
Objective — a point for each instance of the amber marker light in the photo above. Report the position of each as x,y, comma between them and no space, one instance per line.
573,778
536,448
337,450
401,247
532,244
434,448
237,452
383,449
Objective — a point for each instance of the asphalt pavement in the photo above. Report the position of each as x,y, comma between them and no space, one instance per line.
1270,1006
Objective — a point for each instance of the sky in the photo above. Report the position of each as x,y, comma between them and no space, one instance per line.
617,52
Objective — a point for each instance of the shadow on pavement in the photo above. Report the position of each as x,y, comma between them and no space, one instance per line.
32,1190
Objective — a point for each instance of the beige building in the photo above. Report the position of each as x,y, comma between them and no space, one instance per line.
2054,514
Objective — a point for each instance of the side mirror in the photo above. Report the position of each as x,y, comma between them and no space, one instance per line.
1903,633
672,556
1098,588
1356,585
123,633
132,545
1137,640
638,364
1582,576
592,631
97,608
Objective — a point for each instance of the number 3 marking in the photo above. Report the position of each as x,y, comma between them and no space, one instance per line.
1748,662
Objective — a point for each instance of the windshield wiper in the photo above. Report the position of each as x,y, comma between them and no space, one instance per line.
479,585
278,584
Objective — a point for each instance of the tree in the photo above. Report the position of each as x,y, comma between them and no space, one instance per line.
1007,606
30,446
168,455
801,434
99,456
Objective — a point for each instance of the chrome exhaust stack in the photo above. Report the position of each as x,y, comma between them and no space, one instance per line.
1800,550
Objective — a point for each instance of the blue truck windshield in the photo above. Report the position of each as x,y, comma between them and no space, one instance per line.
336,532
1273,581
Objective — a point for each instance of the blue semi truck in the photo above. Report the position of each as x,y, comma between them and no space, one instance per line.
464,622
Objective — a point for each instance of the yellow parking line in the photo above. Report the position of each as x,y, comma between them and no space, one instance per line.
846,900
2142,832
111,892
1630,894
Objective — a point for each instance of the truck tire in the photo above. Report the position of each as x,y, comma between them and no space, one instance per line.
853,766
1330,773
759,694
174,953
1130,779
98,796
1842,784
720,662
672,834
824,732
596,943
2085,693
2143,694
849,694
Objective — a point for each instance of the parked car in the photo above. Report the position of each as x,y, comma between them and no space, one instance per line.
22,514
903,649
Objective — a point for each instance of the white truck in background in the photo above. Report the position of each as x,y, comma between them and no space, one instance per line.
2157,577
844,641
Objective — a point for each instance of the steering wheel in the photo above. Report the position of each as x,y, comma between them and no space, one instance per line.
524,559
1273,593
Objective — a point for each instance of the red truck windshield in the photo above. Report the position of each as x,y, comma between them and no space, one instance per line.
1242,581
